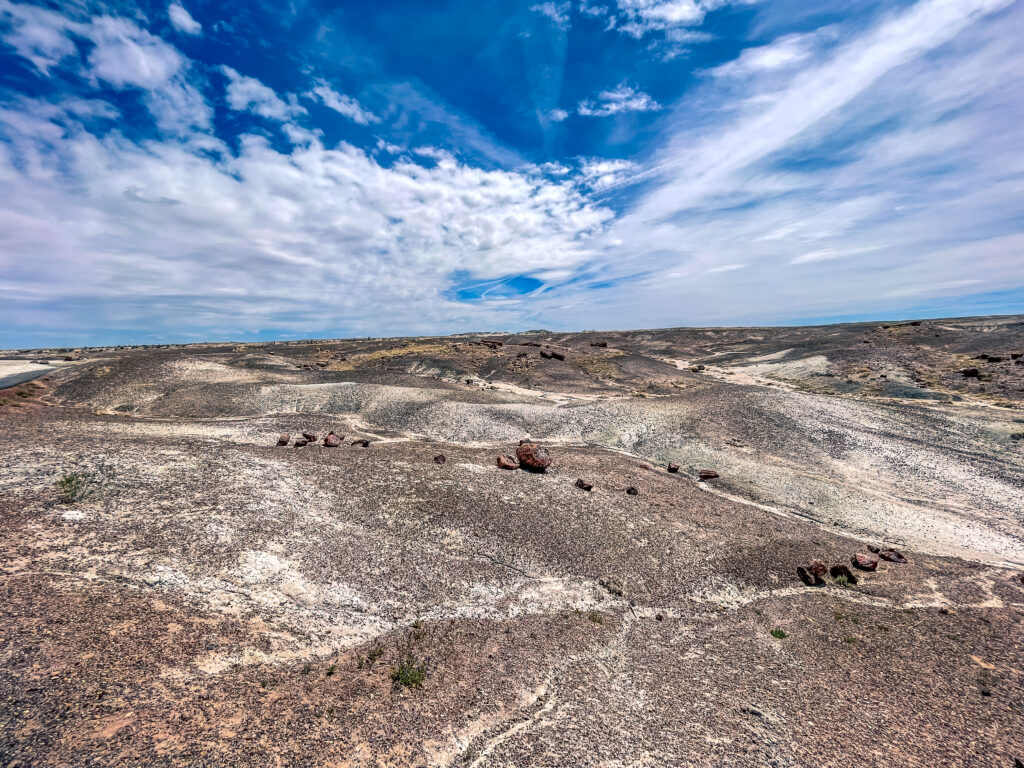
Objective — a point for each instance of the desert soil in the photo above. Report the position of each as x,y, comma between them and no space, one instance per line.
215,599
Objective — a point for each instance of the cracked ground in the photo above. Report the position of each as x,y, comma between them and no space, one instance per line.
214,599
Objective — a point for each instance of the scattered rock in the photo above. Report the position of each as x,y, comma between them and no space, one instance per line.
707,474
532,457
1017,436
558,356
892,555
632,491
300,442
332,440
809,578
529,344
864,562
283,439
995,359
363,443
970,373
842,570
545,355
309,437
873,548
440,459
673,467
696,368
612,586
599,343
507,462
581,483
1016,355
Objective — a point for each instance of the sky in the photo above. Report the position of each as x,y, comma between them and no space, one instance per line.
207,170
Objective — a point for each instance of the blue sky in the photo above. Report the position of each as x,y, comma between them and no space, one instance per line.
206,170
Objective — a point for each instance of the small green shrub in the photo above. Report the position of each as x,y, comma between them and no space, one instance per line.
77,486
778,634
409,672
595,617
842,581
850,640
332,669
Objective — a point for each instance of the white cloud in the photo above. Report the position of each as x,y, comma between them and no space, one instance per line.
36,34
168,233
782,53
624,98
182,20
724,268
126,55
342,104
639,17
122,55
558,115
558,13
601,175
249,94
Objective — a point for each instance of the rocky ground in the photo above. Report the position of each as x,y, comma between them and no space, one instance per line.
194,594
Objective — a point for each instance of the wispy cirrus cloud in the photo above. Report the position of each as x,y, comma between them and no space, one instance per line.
342,104
622,98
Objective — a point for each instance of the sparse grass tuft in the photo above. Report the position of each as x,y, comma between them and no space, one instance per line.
409,672
778,634
850,640
331,670
842,581
77,486
596,617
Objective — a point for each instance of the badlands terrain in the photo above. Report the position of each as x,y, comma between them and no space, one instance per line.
178,589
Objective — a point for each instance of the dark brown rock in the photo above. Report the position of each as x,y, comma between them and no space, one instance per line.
808,578
440,459
892,555
283,439
363,442
873,548
707,474
581,483
545,355
309,437
672,467
632,491
533,458
842,570
970,373
817,567
558,356
864,562
507,462
300,442
599,343
529,344
332,440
